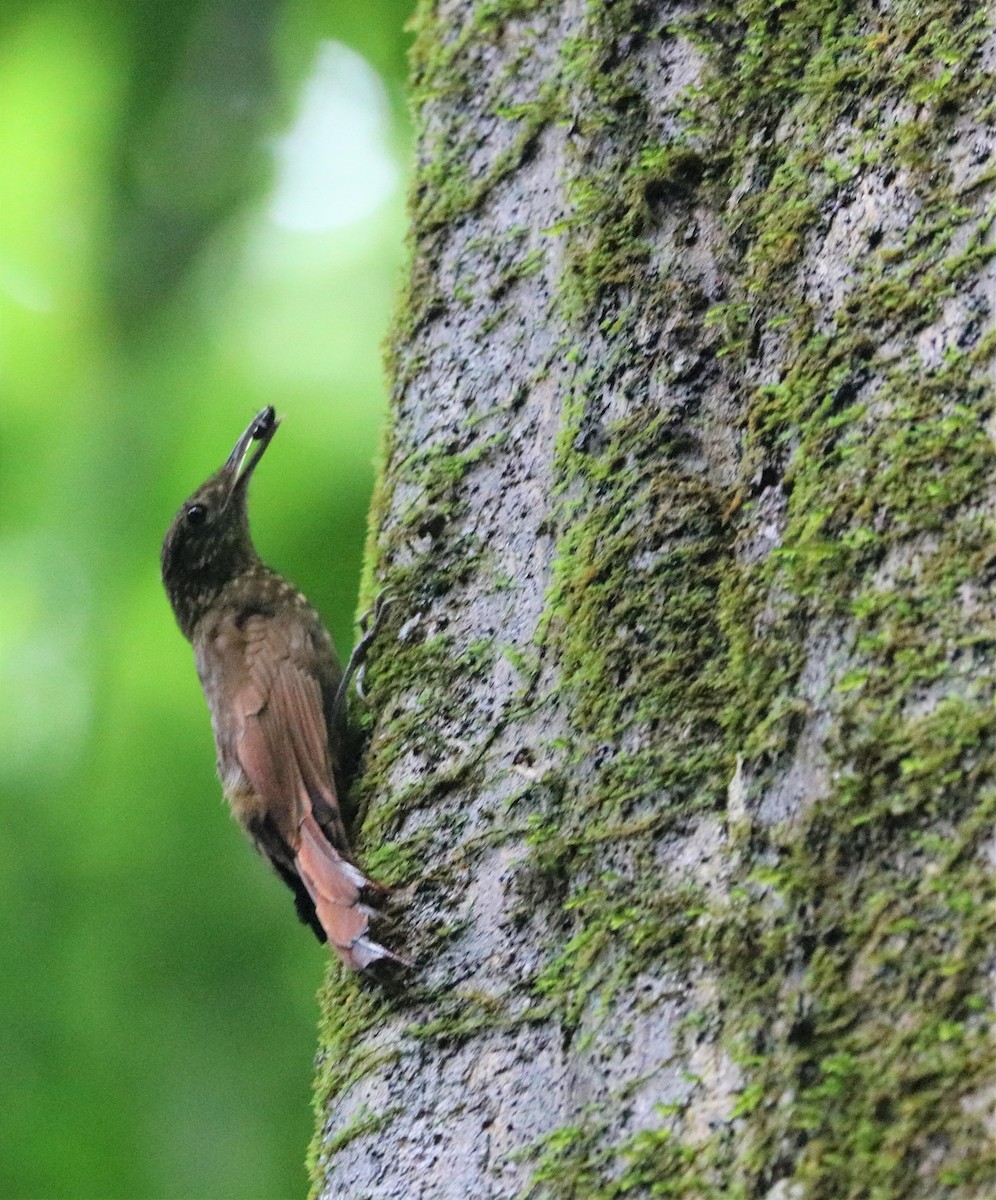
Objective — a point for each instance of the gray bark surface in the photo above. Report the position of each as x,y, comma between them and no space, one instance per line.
683,743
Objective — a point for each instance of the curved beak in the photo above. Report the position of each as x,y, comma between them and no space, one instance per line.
240,465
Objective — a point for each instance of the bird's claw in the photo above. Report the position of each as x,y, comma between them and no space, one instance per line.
376,611
370,622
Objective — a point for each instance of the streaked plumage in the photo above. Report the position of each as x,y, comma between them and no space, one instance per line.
270,675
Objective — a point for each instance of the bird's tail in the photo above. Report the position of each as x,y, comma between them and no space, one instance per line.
336,886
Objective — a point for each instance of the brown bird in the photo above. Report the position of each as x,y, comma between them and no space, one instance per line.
275,690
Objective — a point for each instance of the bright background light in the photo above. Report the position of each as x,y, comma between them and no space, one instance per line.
334,165
201,212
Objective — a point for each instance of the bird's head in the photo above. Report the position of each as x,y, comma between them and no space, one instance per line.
208,544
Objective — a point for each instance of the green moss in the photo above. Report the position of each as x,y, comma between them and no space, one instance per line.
449,180
462,1014
872,1044
619,932
344,1057
573,1163
365,1125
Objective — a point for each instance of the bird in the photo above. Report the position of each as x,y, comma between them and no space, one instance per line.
276,694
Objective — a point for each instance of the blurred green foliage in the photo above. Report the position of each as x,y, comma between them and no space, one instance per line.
156,992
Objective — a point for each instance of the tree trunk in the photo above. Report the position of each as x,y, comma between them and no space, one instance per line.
684,724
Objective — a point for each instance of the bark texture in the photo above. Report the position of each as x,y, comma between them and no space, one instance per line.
685,721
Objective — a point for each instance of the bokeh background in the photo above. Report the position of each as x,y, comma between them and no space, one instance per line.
201,212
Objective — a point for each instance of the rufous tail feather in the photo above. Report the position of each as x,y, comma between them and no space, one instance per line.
335,885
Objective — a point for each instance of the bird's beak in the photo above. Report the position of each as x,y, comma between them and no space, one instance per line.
240,464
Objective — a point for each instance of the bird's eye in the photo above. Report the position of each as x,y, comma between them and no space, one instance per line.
196,514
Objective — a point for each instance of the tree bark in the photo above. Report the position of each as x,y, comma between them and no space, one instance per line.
684,726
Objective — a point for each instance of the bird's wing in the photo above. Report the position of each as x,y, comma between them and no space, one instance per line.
283,745
281,742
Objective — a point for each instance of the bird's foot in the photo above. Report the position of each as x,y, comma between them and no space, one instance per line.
370,622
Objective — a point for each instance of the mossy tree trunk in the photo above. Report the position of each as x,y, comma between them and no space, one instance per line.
684,724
